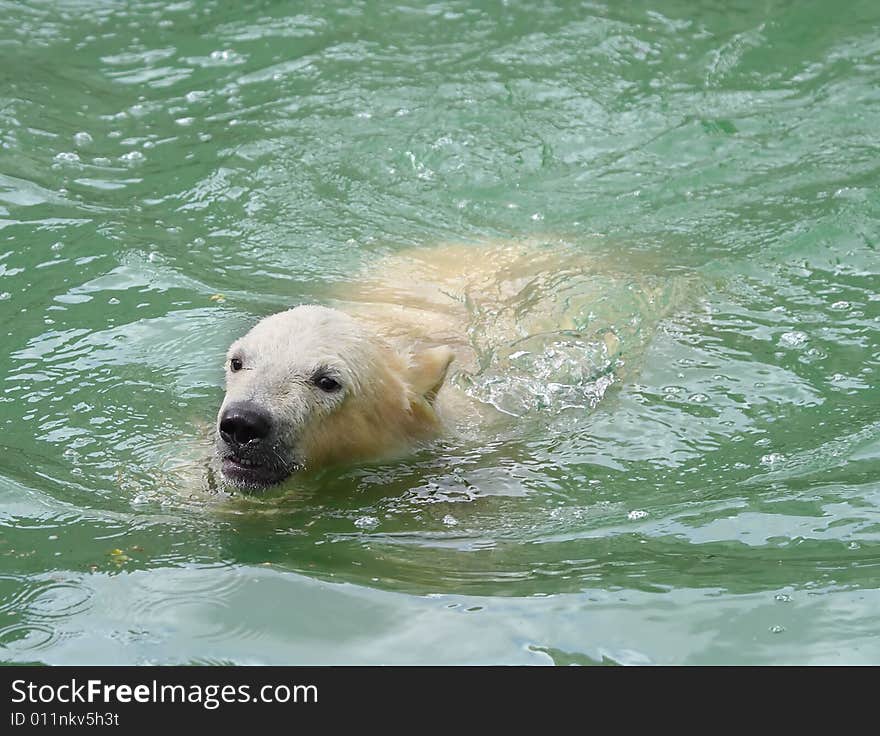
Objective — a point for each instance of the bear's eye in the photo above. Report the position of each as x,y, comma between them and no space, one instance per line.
235,364
326,383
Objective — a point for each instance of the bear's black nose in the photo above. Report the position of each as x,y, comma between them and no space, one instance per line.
242,423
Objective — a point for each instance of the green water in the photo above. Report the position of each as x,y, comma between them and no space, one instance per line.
720,506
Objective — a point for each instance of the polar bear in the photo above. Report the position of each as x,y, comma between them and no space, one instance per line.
366,378
313,386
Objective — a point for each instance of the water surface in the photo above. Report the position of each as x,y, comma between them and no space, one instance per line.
171,172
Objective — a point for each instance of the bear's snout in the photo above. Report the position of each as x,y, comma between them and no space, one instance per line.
244,422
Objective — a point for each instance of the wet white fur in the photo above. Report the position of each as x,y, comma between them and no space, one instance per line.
385,403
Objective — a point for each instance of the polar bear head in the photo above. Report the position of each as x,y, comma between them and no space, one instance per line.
313,386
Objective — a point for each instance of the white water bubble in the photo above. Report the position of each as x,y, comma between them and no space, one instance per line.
841,305
698,398
636,514
132,157
450,520
793,339
82,138
67,157
227,56
772,459
366,522
777,629
782,598
185,121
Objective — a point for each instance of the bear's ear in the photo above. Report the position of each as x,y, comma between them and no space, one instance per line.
428,370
